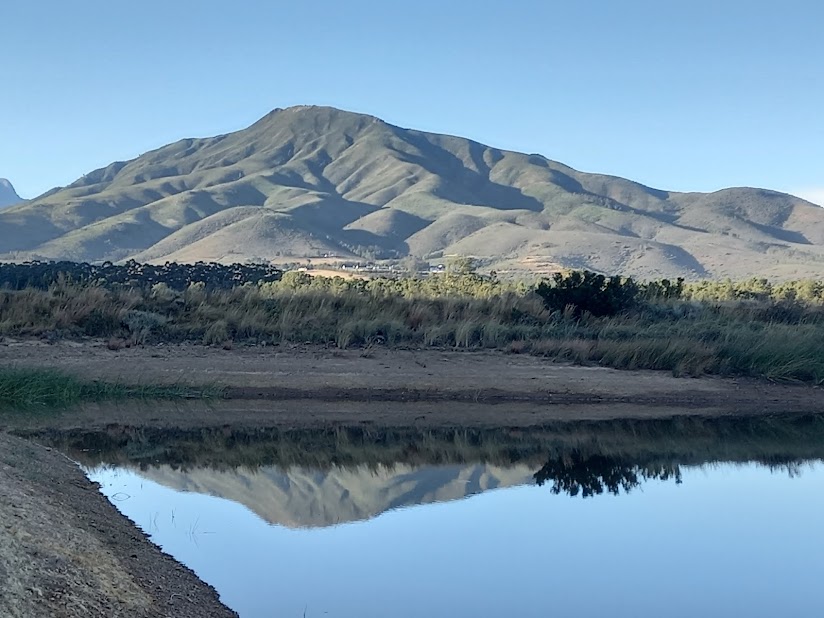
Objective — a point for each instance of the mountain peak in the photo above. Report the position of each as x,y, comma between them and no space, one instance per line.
321,117
319,182
8,196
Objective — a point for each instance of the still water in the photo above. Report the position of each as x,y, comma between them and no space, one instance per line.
673,532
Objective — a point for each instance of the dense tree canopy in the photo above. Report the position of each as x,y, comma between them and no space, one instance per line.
41,275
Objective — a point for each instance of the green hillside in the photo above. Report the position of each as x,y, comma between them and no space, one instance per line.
315,181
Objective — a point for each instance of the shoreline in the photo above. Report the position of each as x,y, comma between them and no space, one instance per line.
67,551
318,374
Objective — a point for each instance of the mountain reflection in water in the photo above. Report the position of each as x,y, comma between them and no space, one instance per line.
324,477
717,517
300,497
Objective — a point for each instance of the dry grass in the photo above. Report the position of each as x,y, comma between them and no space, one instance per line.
771,339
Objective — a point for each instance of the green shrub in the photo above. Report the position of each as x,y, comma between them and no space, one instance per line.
589,292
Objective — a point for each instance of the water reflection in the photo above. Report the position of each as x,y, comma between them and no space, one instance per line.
773,441
591,475
301,497
324,477
732,540
359,522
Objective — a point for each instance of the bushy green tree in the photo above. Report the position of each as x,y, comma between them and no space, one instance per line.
588,291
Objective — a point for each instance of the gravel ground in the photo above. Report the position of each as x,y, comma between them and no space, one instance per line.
65,552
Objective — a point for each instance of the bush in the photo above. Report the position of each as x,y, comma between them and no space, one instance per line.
98,323
141,324
589,292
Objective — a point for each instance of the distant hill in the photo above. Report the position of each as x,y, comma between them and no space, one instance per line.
305,498
314,181
8,196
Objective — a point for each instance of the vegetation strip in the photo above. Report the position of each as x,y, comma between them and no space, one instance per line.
753,328
42,275
44,388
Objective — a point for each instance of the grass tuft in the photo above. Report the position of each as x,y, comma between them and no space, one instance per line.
45,388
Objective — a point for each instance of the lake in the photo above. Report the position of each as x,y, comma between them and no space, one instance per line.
632,518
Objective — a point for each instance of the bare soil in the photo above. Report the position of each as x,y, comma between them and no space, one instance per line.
311,384
66,552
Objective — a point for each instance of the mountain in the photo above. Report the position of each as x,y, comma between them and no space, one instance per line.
8,196
305,498
314,181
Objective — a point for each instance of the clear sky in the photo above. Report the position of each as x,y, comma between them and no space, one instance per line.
678,94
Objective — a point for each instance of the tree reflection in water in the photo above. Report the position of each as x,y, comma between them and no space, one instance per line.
591,475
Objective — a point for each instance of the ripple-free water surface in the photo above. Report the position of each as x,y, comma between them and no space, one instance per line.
729,540
626,518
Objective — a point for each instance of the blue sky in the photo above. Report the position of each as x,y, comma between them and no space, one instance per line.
682,95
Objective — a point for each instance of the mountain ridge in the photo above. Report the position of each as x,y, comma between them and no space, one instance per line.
306,181
8,196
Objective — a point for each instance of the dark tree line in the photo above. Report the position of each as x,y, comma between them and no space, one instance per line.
42,275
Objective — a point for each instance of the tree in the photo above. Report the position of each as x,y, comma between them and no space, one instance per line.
460,265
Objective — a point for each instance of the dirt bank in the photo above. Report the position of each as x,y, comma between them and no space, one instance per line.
66,552
380,375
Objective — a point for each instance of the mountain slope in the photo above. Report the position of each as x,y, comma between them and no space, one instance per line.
312,181
8,196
